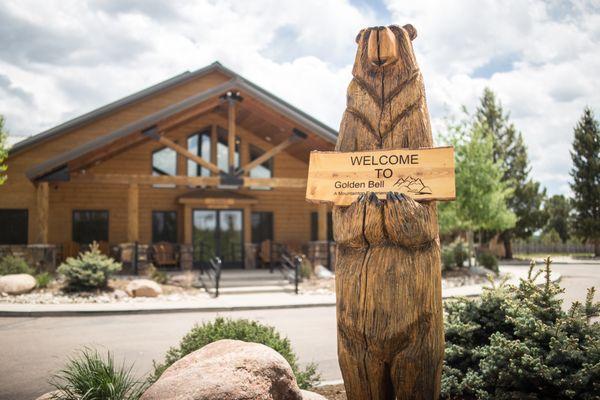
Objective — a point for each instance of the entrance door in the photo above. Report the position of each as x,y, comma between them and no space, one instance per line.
218,233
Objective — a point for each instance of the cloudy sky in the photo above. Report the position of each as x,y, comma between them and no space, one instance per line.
59,59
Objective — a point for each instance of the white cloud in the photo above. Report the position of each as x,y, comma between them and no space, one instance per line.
62,58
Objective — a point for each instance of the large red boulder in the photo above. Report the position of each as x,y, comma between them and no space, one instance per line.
227,370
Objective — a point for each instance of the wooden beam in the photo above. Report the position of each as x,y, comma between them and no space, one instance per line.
43,204
270,153
322,222
133,213
213,144
126,179
120,145
187,154
231,133
275,182
190,114
187,224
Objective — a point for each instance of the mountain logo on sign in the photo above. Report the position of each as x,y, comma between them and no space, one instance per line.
413,185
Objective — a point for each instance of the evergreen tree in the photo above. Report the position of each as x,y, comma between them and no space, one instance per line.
480,192
3,151
558,209
586,179
510,151
516,342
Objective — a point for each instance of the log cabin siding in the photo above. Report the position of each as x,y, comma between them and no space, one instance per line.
291,212
19,192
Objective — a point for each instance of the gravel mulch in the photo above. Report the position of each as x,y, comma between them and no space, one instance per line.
331,392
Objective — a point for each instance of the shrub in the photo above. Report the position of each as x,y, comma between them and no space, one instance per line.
448,260
454,254
90,270
157,275
241,329
305,268
14,265
43,279
488,260
517,343
91,377
460,253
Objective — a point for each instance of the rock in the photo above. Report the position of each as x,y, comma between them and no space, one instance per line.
323,273
49,395
119,294
184,280
17,283
227,370
143,288
308,395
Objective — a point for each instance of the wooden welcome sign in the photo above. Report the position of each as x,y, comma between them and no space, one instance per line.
423,174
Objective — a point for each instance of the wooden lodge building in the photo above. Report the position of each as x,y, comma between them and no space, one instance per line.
206,161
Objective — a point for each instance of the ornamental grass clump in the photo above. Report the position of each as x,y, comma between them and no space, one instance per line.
14,265
240,329
89,376
90,270
516,342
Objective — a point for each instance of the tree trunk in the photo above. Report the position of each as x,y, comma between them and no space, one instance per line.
388,272
471,246
597,248
506,240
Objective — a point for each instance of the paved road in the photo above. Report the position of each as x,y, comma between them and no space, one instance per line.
31,349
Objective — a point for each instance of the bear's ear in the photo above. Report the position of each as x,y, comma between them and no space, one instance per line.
412,32
358,36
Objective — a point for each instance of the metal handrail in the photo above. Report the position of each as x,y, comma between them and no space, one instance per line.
290,265
213,272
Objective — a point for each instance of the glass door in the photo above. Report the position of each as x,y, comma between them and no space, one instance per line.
218,233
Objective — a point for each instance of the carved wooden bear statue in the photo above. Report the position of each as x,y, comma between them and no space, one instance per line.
388,274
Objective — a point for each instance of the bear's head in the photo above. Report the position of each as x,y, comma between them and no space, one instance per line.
385,48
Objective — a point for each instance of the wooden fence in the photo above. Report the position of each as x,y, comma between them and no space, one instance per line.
565,248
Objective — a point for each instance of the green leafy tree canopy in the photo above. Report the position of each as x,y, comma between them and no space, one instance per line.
480,193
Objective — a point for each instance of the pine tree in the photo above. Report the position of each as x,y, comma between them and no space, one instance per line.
586,179
3,151
510,151
558,209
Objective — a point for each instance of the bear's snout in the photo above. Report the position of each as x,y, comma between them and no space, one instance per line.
382,48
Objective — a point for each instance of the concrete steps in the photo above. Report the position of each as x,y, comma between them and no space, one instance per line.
253,281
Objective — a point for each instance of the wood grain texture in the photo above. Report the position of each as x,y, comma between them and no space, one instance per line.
388,273
43,201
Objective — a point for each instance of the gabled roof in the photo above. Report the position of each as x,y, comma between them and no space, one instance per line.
320,128
237,82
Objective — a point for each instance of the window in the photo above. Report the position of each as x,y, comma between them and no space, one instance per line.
314,226
164,226
13,226
262,226
89,226
199,144
264,170
164,162
223,150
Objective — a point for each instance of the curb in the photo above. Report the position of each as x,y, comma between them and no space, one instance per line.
165,310
475,291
